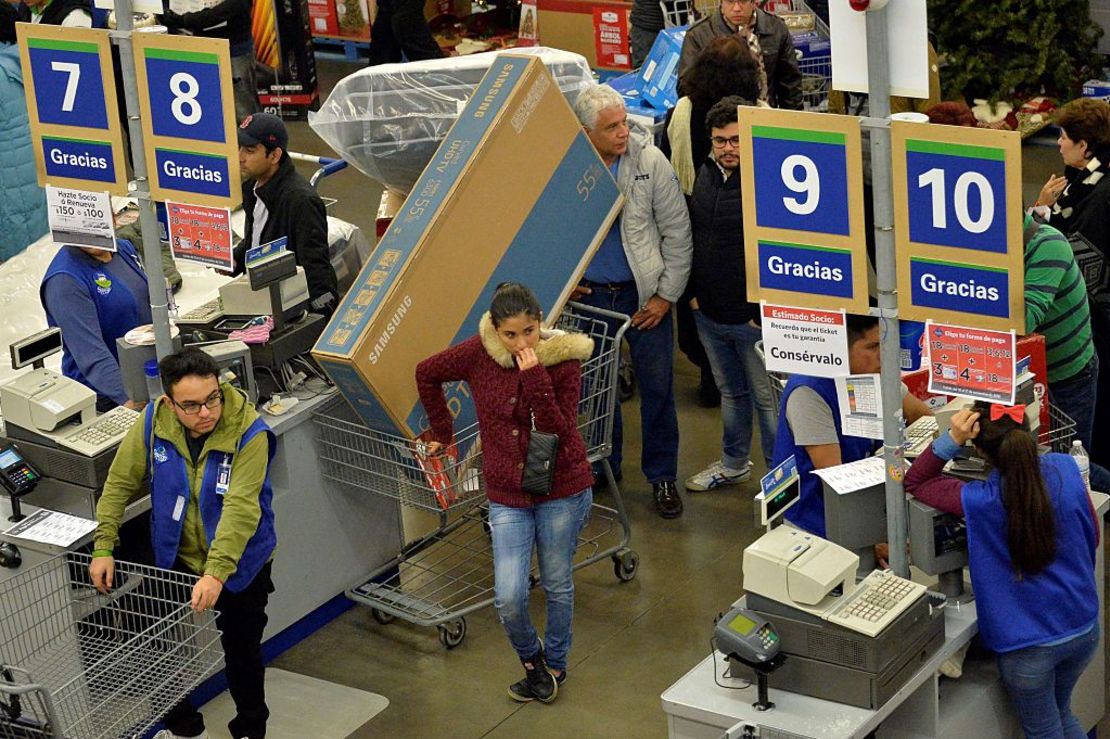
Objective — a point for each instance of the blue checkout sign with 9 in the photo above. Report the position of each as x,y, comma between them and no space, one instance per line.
957,195
186,101
803,183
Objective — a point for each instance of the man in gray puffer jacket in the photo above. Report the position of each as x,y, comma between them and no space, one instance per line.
640,270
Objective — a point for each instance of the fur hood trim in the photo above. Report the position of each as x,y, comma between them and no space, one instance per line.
554,347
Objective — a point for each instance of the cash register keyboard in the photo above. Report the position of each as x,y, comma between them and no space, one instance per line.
876,602
919,435
204,313
103,433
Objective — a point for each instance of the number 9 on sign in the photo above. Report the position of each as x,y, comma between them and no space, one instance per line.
810,191
185,96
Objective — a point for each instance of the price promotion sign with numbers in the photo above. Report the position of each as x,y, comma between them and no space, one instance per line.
188,111
803,214
957,193
72,108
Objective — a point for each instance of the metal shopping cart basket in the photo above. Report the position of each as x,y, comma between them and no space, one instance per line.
81,665
440,578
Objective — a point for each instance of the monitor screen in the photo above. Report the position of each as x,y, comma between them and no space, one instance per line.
36,347
9,458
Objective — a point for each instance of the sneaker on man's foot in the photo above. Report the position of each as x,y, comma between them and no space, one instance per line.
667,501
538,683
167,734
716,475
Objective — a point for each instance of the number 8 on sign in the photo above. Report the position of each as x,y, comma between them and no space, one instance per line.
185,97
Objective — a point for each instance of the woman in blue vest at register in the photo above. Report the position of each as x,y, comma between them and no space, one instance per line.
96,296
1032,537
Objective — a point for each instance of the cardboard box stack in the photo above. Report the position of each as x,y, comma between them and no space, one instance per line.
515,192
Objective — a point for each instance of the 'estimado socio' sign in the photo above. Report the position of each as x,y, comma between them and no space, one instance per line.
958,193
188,117
71,106
803,213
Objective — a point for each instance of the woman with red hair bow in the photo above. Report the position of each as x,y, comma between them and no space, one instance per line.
1032,537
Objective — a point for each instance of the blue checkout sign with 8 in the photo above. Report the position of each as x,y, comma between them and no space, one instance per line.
957,195
806,187
69,90
186,101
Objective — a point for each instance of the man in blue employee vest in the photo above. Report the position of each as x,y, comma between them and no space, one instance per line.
206,453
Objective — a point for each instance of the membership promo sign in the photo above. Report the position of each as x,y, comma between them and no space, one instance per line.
959,244
188,119
972,362
72,108
804,341
803,215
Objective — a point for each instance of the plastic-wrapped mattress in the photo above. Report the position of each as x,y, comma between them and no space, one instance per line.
388,120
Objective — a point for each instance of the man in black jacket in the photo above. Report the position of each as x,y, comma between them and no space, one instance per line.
278,202
230,19
67,13
727,323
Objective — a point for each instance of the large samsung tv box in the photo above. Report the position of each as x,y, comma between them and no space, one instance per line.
516,192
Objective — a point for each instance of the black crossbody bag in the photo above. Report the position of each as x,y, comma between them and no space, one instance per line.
539,465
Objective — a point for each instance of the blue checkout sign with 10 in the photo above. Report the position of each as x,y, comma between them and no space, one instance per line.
803,209
957,198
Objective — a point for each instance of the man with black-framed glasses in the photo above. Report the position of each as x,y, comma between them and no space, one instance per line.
206,454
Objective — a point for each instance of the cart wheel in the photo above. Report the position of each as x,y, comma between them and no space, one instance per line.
453,633
381,616
625,565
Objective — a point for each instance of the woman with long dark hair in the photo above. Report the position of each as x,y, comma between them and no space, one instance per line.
1032,538
523,378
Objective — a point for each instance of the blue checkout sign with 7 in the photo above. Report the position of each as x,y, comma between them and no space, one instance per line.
72,108
803,213
188,114
957,196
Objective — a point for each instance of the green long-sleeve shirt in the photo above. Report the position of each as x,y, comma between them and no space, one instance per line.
241,508
1056,303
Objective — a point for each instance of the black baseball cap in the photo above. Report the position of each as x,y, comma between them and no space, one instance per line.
263,128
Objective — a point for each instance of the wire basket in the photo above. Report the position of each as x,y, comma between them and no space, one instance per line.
1059,433
78,664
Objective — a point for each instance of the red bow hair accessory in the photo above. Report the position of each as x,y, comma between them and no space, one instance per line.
1015,412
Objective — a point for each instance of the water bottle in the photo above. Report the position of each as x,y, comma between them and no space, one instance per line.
1079,454
153,380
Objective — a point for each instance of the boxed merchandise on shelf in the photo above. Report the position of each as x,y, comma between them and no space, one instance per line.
516,192
596,30
658,77
637,108
1097,89
286,65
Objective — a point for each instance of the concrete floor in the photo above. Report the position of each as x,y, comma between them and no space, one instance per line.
632,640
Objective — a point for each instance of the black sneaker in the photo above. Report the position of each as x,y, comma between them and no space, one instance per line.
667,501
538,683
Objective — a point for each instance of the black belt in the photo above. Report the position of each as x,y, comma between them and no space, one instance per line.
610,286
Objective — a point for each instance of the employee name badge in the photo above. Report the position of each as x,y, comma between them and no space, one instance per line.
179,508
223,475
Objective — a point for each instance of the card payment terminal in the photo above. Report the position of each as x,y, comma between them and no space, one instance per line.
747,635
17,474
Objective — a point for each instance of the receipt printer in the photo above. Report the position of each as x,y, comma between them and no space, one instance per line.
794,567
43,400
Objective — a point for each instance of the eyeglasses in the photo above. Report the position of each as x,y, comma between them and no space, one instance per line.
191,408
720,141
737,3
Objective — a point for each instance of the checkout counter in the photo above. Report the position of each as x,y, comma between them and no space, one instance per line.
844,684
329,536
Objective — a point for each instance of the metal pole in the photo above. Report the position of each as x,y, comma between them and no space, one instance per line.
878,87
140,187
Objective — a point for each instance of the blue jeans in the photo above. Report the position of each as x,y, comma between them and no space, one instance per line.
552,528
653,362
1076,397
740,377
1040,680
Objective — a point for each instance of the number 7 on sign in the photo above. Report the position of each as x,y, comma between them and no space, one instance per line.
74,71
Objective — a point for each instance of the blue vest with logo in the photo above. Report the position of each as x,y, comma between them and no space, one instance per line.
809,512
169,483
1059,601
116,311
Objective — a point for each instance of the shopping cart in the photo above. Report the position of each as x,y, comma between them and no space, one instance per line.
81,665
441,577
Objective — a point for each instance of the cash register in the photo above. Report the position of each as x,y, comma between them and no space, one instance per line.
53,419
849,642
